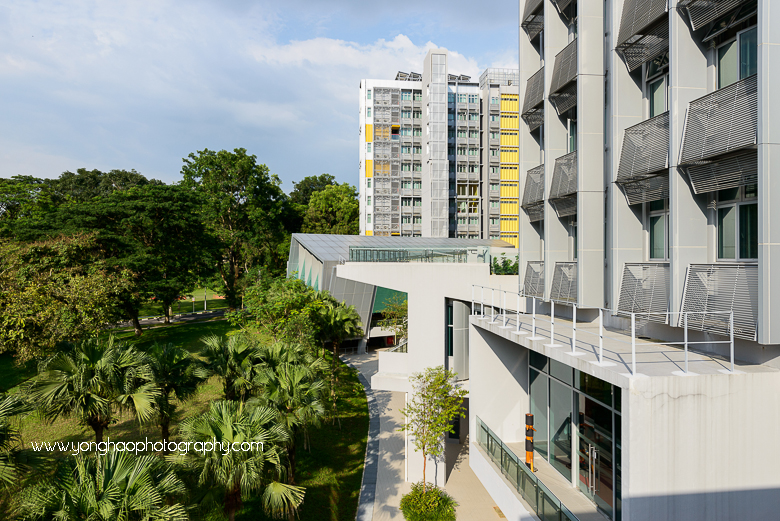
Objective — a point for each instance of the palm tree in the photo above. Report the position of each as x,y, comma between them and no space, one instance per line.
177,374
233,359
91,380
117,485
289,382
10,406
239,473
338,323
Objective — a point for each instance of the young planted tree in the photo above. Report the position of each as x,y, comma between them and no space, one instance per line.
234,360
92,380
435,403
238,474
117,485
177,374
395,317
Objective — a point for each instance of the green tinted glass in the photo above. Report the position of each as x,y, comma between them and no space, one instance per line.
657,237
728,70
727,218
748,231
748,53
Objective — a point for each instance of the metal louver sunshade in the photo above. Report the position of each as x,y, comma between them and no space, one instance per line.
645,289
702,12
643,47
565,99
644,160
533,194
565,67
533,284
718,148
563,190
720,288
533,110
564,283
533,18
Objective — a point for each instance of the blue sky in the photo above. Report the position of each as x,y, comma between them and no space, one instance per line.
140,85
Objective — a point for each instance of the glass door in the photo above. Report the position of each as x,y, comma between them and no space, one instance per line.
594,452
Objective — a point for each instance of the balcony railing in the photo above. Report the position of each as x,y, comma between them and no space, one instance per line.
563,95
564,282
645,289
533,285
563,190
477,255
533,18
533,109
720,136
644,31
542,501
533,194
702,12
643,172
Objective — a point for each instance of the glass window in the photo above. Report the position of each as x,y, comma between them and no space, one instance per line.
417,95
368,94
658,236
368,112
368,218
417,219
406,219
368,183
494,186
727,64
572,135
418,185
406,184
594,387
748,231
657,94
417,201
748,53
560,427
538,390
727,222
538,361
562,372
368,200
368,147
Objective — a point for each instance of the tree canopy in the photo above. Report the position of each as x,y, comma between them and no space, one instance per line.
334,209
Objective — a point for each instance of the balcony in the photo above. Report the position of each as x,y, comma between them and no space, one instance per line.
564,282
563,95
533,109
533,18
533,283
495,211
645,289
702,12
644,160
563,191
644,32
533,194
719,144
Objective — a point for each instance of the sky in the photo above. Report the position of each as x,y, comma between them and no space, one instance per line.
141,85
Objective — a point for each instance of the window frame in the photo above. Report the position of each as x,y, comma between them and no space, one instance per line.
649,214
736,203
736,41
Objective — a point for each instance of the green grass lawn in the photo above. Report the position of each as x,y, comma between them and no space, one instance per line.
155,309
185,334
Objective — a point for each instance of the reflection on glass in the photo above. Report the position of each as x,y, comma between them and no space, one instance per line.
539,410
560,427
539,361
748,53
657,95
594,387
562,372
594,451
657,233
728,70
727,218
748,231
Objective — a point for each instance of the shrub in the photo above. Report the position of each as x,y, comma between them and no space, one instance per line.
432,504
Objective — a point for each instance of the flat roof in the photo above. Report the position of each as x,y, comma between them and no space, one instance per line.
328,247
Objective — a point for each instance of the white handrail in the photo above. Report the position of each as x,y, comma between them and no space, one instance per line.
633,315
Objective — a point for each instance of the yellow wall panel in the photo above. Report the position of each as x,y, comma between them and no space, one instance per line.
369,133
369,168
369,232
509,173
510,121
511,238
509,155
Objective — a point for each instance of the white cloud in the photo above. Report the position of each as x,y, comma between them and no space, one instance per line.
140,85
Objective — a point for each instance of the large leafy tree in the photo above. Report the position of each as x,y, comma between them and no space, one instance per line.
177,374
289,381
239,474
24,197
55,290
301,195
435,403
114,486
246,208
92,380
335,210
85,185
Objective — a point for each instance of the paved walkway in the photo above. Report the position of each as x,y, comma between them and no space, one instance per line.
474,501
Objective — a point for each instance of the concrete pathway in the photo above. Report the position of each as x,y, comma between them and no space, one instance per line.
474,501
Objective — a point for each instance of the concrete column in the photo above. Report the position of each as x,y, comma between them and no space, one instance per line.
590,154
556,231
688,79
625,103
768,160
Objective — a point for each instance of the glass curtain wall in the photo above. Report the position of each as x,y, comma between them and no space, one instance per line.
577,422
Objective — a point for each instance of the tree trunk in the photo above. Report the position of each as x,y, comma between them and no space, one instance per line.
136,324
425,463
98,426
232,503
168,310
